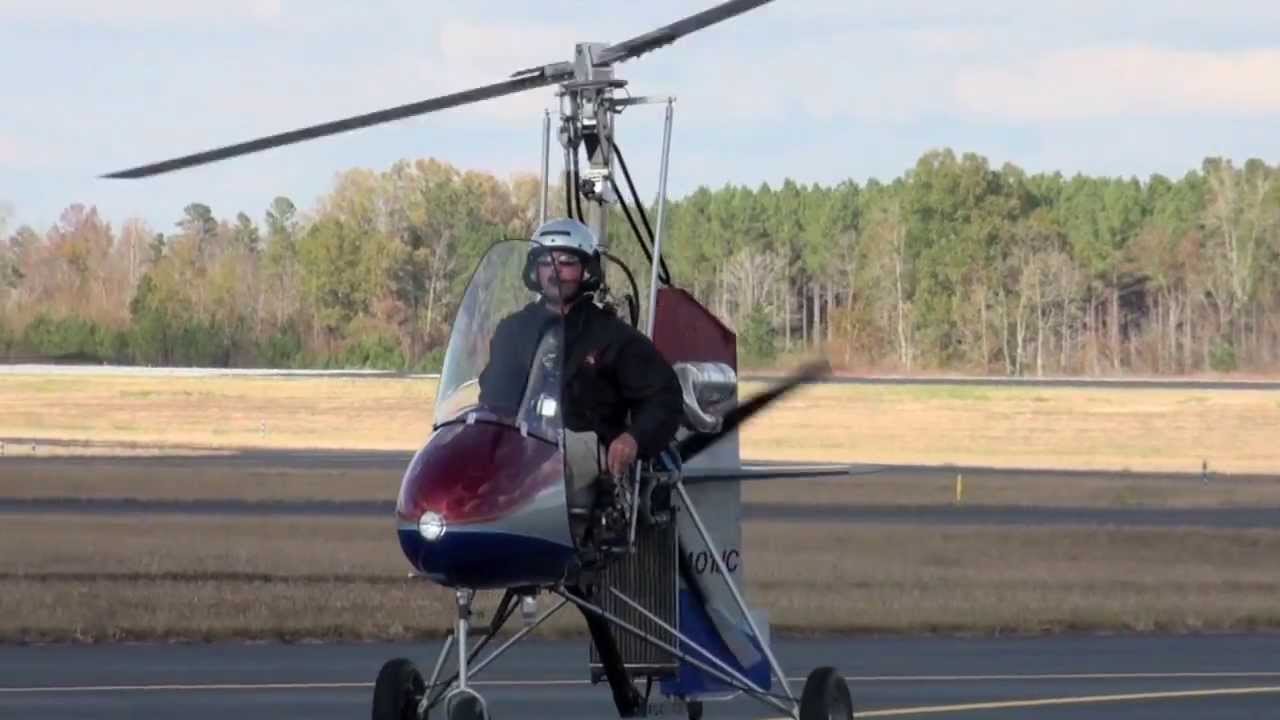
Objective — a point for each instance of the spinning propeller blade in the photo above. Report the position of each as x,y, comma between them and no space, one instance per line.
506,87
668,34
694,444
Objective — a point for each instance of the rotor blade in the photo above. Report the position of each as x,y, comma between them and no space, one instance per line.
506,87
694,444
642,44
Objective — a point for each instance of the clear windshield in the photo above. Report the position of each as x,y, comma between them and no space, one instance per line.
504,356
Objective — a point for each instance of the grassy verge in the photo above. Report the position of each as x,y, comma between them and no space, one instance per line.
211,578
1156,429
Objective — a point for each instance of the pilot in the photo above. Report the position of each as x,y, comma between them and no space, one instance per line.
616,384
618,391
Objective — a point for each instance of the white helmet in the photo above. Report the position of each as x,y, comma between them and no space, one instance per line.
567,234
571,235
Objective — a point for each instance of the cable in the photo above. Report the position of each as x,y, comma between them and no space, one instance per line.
568,192
633,309
577,197
634,195
622,202
665,274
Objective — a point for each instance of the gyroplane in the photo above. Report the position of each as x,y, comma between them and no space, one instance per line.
505,497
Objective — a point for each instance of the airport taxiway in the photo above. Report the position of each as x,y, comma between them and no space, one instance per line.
1229,677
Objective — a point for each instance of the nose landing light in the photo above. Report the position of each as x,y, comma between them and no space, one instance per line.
431,525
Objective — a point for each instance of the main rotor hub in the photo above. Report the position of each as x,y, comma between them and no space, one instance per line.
585,68
587,108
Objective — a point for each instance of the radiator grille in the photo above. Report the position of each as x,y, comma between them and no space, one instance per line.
649,577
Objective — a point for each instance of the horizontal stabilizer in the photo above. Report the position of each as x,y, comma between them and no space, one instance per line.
766,472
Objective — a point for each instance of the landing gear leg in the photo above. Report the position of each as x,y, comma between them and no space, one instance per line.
464,703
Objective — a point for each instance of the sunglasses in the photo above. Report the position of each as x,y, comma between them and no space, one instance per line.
547,263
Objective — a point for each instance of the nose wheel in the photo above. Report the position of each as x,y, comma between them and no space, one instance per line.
397,691
826,696
400,693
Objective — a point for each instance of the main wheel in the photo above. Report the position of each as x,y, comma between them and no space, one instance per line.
826,696
398,691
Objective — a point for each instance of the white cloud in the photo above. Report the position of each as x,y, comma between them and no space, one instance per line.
19,155
876,76
798,87
472,53
498,47
1139,81
9,154
133,12
910,75
995,60
1055,12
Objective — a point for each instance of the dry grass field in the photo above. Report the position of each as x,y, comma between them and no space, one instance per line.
298,412
98,577
91,578
1113,429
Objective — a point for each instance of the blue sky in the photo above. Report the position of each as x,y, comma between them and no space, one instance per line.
815,90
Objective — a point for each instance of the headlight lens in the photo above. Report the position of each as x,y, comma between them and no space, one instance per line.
431,526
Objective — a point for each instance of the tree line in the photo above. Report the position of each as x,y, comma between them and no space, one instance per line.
955,265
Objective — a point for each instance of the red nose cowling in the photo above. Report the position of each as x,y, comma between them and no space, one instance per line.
477,473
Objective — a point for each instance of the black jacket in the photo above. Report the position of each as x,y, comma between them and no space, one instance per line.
616,379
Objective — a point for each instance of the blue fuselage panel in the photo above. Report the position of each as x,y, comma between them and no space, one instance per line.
484,560
691,682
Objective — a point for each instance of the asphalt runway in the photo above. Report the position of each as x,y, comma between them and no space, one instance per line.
1228,677
394,462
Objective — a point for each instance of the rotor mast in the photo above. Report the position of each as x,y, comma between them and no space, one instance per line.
586,121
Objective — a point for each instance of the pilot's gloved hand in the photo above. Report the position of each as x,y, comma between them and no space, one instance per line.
622,452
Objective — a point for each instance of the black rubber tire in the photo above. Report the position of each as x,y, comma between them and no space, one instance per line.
826,696
398,691
694,709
